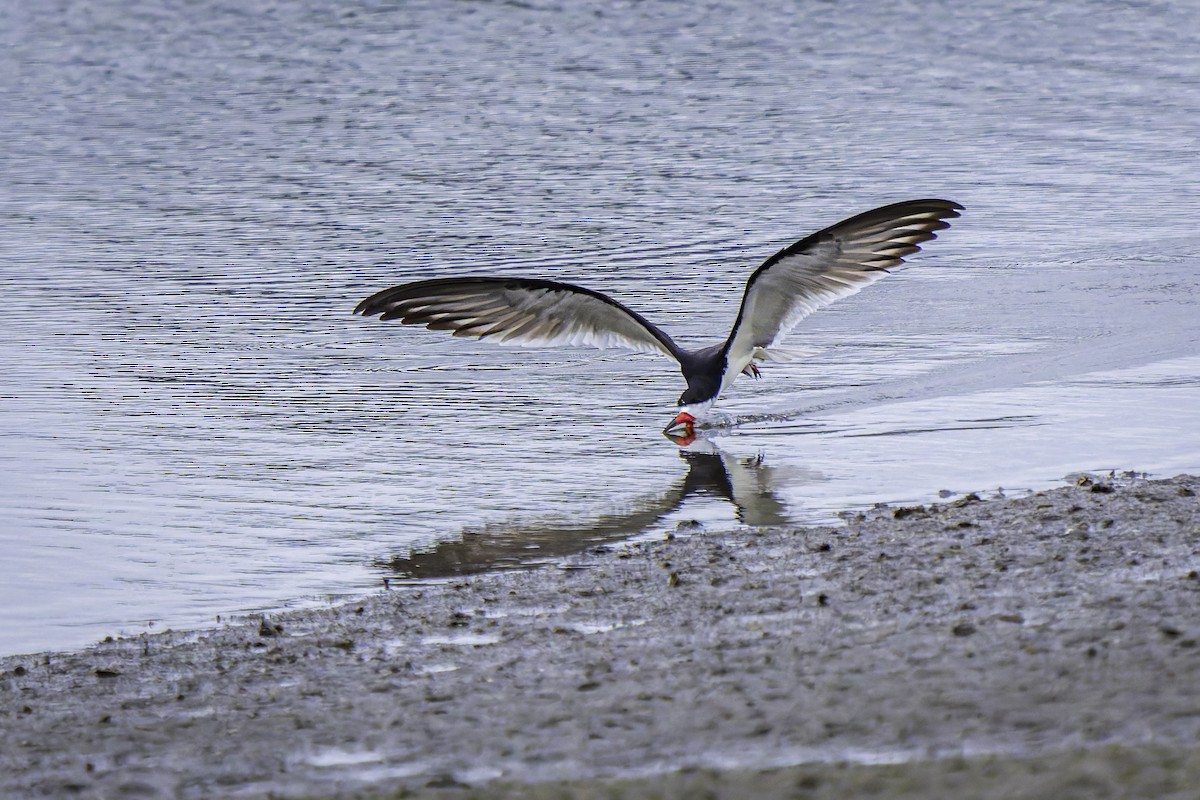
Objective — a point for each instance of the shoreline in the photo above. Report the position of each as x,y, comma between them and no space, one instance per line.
1053,633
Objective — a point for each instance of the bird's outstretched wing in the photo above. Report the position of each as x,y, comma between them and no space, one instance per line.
827,266
520,311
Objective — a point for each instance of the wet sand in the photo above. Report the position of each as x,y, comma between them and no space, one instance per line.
1044,645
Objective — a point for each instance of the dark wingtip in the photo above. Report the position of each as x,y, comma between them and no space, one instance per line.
376,303
952,208
364,305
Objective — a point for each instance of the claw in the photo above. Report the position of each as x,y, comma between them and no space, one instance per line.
752,370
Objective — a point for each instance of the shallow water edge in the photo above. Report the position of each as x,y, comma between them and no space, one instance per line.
1054,623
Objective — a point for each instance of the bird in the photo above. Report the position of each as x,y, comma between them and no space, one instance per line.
803,277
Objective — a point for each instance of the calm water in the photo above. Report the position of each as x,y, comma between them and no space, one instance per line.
193,198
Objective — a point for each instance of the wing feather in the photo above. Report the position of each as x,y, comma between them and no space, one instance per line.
522,311
827,266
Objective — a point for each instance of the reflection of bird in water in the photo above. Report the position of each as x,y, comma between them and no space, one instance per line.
810,274
746,483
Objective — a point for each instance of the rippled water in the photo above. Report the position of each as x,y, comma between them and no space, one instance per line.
194,198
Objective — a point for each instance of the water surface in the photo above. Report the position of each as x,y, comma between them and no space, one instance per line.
192,423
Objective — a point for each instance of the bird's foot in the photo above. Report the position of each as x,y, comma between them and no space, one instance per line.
752,370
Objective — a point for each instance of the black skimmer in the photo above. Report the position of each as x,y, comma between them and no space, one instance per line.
810,274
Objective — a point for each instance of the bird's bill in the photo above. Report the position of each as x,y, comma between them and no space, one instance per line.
683,425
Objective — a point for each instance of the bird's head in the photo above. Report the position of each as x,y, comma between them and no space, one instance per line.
682,430
682,427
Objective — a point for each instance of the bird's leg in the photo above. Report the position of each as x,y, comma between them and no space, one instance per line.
752,370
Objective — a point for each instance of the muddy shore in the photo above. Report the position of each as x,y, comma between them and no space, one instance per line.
1002,647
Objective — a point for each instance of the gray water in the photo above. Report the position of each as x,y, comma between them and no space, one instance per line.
194,196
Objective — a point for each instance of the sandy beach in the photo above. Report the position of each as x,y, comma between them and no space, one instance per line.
1043,645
